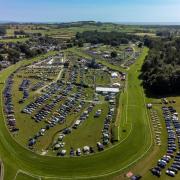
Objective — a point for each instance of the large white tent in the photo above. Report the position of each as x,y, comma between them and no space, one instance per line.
107,89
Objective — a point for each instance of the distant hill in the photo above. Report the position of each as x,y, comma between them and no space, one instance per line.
79,23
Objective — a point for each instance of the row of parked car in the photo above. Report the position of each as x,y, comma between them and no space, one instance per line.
24,88
59,144
111,97
30,108
86,149
47,108
173,130
8,104
24,85
107,125
61,113
72,75
83,116
80,151
156,126
59,116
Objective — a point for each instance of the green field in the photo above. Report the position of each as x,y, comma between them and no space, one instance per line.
22,176
68,32
91,129
13,40
134,144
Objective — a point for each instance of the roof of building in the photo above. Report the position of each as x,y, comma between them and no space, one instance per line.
107,89
114,74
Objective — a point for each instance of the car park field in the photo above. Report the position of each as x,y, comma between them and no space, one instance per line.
64,104
98,159
130,124
125,56
166,143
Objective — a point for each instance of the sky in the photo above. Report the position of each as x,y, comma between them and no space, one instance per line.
97,10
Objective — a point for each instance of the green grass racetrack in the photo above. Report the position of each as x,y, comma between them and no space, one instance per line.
132,148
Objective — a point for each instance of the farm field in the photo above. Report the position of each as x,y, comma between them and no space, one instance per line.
13,40
59,32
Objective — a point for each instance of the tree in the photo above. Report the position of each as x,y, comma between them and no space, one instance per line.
161,69
80,43
1,57
110,38
114,54
13,55
93,64
140,45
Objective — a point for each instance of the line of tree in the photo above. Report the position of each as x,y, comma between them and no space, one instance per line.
110,38
161,69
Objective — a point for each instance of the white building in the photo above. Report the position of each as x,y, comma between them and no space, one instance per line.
116,85
107,89
114,75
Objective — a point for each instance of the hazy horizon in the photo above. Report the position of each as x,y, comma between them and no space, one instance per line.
123,23
132,11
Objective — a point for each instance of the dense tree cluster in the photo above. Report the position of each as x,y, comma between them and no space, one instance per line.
161,69
92,64
45,40
163,33
114,54
28,49
14,51
110,38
